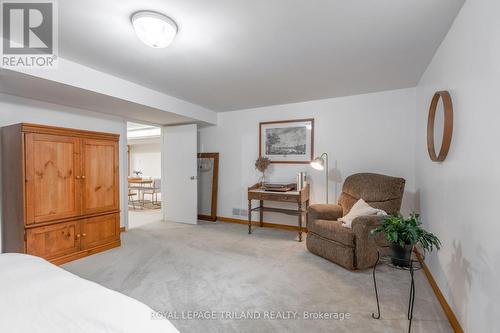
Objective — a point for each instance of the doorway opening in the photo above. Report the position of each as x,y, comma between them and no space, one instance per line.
144,145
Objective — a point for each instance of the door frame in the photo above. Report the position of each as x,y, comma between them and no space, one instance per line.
128,161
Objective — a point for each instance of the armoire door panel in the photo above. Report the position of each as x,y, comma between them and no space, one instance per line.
100,176
100,230
53,240
52,165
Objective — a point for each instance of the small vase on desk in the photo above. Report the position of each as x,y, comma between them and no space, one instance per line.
262,180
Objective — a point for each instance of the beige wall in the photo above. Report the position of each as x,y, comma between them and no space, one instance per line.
146,158
458,197
364,133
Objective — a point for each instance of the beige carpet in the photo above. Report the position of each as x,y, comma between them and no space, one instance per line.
219,267
140,217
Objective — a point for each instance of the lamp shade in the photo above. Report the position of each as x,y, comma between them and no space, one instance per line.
318,163
154,29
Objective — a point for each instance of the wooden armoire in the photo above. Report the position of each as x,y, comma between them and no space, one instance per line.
60,191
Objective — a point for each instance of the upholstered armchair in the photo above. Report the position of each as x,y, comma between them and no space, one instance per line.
353,248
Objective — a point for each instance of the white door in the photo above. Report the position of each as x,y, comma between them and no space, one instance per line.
179,181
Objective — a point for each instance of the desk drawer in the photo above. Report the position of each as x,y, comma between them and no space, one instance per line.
279,197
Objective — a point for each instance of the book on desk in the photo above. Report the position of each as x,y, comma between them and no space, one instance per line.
279,187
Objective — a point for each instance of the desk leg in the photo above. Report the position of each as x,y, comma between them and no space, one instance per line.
301,213
141,197
249,217
261,213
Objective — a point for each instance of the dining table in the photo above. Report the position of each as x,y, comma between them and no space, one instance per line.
139,184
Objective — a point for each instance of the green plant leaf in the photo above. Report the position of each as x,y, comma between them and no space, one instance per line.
402,231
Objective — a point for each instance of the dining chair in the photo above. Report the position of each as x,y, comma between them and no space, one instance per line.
131,196
154,190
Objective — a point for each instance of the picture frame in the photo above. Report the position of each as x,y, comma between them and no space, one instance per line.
287,141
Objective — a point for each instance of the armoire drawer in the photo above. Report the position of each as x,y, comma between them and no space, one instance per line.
100,230
53,240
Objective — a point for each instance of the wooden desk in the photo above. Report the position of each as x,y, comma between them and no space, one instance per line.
301,198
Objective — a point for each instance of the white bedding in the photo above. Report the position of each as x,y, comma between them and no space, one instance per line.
36,296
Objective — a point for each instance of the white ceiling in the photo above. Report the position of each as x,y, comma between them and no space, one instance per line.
139,132
131,126
235,54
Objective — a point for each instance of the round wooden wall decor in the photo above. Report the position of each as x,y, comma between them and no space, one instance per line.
447,129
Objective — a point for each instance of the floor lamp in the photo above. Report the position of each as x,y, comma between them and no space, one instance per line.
321,163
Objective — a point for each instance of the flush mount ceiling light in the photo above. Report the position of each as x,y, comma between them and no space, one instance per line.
154,29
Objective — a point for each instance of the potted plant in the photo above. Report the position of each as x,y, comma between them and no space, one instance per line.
261,164
403,234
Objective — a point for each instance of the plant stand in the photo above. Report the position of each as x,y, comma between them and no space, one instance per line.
411,265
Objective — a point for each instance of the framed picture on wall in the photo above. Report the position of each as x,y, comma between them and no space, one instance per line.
287,141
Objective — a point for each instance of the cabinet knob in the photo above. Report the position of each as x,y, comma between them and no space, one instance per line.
84,234
77,235
83,177
77,177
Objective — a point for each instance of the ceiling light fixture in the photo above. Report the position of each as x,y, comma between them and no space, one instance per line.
154,29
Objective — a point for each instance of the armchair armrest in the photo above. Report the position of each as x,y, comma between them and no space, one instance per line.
366,245
324,212
367,223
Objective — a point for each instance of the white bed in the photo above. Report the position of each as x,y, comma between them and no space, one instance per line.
37,296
